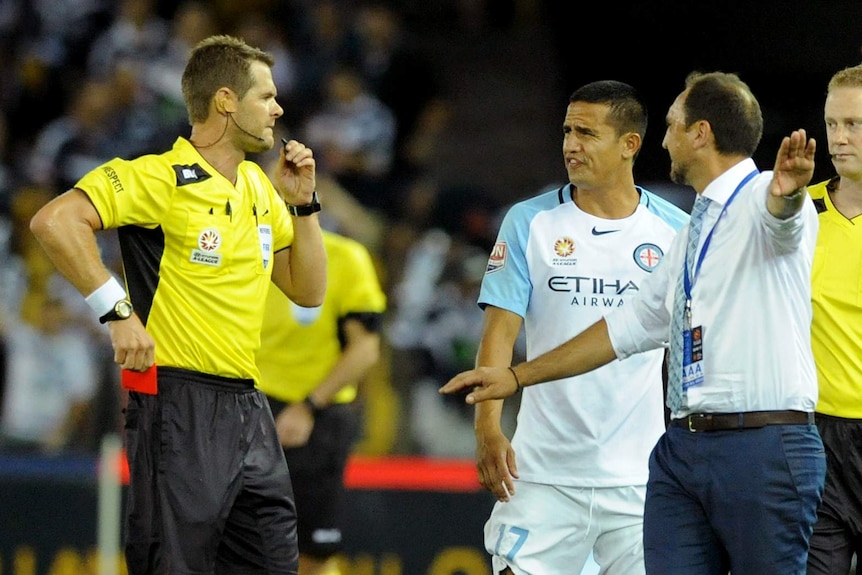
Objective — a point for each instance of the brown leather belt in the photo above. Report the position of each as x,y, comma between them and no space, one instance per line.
742,420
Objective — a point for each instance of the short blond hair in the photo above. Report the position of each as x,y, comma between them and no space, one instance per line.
218,62
850,77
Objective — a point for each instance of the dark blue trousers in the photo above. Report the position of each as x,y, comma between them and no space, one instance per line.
741,501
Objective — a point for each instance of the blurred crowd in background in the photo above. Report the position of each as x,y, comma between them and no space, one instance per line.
427,119
83,81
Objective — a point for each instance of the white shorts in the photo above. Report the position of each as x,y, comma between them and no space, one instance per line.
548,530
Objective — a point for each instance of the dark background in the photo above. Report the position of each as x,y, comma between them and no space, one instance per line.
511,74
786,51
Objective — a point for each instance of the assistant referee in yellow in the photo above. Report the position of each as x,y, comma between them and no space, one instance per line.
836,330
312,362
202,231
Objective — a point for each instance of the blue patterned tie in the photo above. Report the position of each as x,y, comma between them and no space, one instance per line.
674,388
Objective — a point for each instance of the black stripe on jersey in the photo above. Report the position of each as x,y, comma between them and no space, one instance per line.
142,250
831,186
562,198
820,205
190,174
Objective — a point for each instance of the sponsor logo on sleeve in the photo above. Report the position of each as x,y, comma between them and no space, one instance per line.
497,260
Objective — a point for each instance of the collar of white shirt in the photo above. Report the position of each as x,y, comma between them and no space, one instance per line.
720,189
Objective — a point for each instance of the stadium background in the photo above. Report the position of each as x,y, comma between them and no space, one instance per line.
507,67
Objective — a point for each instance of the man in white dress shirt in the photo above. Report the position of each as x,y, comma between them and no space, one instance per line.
735,482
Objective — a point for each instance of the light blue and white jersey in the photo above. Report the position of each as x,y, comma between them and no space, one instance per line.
562,269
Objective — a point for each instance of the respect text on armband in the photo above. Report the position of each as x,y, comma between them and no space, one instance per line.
113,178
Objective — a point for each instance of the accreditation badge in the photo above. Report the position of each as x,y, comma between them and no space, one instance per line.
692,357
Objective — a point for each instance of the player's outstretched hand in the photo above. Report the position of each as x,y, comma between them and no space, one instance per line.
483,383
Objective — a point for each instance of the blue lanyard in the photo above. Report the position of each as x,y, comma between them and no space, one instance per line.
688,282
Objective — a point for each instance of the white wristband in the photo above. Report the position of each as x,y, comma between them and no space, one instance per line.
105,297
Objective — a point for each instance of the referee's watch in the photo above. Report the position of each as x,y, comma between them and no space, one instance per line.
307,209
122,310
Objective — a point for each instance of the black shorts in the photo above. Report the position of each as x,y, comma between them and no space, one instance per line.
317,474
838,531
210,491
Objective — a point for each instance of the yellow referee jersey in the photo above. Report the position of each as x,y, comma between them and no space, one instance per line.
836,330
299,346
197,253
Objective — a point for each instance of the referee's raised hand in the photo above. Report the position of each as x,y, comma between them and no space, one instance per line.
295,173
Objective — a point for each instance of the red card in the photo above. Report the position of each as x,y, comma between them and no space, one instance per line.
140,381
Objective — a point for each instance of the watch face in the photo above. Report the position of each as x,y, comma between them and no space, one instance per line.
123,309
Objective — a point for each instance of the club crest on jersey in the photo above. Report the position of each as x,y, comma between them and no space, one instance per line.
497,259
647,256
209,241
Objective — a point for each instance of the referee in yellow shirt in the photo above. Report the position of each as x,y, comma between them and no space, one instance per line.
203,232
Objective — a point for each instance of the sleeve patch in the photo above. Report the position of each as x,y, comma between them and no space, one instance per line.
497,260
